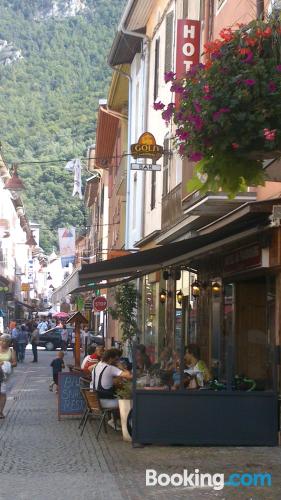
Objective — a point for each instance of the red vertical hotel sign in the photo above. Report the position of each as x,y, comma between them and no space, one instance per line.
188,45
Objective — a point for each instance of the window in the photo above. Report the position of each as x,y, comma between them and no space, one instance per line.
156,69
153,190
166,163
169,42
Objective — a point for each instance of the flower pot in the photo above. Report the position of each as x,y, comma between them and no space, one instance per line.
125,406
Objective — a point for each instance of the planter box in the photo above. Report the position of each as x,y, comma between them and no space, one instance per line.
205,418
125,406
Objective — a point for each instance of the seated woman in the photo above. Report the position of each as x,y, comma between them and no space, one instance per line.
196,373
196,370
103,376
142,359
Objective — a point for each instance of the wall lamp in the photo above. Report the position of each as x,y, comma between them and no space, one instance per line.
179,295
198,286
164,294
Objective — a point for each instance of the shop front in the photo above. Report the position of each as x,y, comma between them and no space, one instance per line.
230,322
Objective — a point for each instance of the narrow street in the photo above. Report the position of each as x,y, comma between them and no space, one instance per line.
42,458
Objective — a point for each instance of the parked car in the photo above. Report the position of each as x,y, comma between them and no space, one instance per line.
51,339
95,338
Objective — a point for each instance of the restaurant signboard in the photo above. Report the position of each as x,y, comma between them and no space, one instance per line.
245,258
146,147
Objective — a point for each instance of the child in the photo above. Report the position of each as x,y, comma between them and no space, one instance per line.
57,365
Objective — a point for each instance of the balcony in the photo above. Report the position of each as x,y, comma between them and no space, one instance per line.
214,204
172,207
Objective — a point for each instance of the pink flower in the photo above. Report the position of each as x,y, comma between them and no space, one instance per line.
168,113
195,156
182,149
158,105
278,68
272,87
234,145
206,89
217,114
177,88
269,134
249,58
197,107
169,76
196,121
249,82
207,97
182,134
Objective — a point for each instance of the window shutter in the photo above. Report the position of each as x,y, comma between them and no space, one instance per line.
185,9
166,160
169,42
156,68
153,190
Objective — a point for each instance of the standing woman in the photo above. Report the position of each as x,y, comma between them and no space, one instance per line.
7,353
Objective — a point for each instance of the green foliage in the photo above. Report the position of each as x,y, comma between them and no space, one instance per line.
229,114
48,101
125,310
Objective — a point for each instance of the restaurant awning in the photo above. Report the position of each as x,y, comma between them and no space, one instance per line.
250,218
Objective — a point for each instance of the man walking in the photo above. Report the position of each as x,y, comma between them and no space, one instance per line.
15,335
34,343
22,343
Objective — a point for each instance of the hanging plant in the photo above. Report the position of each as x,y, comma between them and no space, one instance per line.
125,311
229,113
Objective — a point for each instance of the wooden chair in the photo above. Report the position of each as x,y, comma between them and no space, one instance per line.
94,409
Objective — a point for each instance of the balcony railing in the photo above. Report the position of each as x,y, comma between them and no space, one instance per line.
171,207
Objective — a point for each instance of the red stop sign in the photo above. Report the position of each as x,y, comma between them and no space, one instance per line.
99,304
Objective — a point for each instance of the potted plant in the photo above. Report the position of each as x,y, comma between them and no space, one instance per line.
229,114
125,396
125,311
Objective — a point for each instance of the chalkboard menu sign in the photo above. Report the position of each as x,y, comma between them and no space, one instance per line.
70,400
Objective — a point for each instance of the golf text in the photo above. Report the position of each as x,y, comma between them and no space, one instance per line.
197,479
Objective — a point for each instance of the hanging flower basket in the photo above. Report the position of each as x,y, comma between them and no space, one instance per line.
229,113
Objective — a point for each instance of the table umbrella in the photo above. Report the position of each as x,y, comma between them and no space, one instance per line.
61,315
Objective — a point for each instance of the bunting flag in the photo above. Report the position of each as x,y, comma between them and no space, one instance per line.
75,167
67,245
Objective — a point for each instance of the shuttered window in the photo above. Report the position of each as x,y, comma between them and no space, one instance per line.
169,42
185,9
156,68
166,162
153,190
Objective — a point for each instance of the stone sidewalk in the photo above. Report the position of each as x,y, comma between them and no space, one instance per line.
42,458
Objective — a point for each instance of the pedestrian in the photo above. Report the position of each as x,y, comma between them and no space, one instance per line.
34,343
22,343
15,335
7,356
57,366
42,326
64,338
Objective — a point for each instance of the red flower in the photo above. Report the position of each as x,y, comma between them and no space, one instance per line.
269,134
244,51
234,145
226,34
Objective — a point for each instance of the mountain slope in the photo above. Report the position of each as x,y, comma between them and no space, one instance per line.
48,98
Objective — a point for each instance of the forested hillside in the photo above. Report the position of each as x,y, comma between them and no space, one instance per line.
48,98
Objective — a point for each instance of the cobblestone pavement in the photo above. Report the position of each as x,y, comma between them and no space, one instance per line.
42,458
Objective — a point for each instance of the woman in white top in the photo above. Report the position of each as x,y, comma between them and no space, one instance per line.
7,354
103,378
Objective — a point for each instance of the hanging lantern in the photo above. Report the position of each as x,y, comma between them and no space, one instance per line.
216,288
179,296
163,296
195,288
